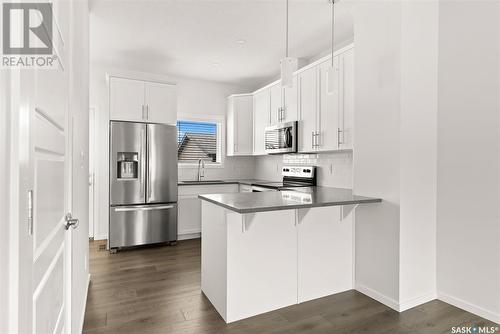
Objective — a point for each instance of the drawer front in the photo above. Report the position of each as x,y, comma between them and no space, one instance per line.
208,189
142,225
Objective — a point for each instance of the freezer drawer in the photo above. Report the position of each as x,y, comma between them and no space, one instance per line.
142,224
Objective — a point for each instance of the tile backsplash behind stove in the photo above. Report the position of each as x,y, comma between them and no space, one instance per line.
334,169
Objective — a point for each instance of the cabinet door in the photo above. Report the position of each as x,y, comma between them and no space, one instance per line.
261,120
328,120
308,108
276,103
290,102
189,216
230,128
161,102
243,106
126,99
325,252
346,99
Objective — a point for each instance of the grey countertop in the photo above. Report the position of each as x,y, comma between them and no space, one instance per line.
212,182
307,197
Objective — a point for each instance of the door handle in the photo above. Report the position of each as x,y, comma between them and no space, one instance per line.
70,221
339,135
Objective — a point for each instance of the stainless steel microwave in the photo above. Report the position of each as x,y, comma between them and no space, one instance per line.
281,138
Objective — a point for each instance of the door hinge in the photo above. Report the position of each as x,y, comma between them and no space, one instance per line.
30,212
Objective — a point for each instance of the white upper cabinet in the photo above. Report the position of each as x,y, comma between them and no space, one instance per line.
276,92
290,102
346,97
308,109
261,119
283,102
160,101
142,101
328,113
239,125
126,99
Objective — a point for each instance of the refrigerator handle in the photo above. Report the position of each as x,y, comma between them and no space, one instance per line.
143,160
148,173
143,208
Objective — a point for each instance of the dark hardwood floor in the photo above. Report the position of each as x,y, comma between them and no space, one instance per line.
157,290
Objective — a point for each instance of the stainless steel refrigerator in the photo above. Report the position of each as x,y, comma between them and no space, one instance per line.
143,184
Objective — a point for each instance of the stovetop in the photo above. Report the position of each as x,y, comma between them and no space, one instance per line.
293,176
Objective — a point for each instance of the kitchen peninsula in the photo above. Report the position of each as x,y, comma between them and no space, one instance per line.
266,250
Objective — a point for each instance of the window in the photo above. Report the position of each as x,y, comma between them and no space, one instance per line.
199,139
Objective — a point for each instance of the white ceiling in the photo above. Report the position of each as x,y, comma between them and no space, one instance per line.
198,38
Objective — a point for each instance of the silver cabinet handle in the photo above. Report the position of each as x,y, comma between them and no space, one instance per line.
317,140
70,221
30,212
339,136
147,111
144,208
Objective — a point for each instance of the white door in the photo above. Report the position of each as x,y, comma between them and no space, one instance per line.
308,107
161,102
276,103
126,100
290,102
328,120
261,120
44,156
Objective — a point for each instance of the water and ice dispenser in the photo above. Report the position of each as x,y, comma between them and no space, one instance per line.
127,165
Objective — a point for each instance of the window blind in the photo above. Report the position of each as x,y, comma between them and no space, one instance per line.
197,140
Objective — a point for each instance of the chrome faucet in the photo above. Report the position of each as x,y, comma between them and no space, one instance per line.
201,169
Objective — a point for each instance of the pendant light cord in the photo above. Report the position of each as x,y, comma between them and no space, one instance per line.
286,39
333,25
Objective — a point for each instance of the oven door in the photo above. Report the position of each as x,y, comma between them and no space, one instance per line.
281,138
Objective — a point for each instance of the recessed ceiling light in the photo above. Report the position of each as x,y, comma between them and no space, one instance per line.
241,41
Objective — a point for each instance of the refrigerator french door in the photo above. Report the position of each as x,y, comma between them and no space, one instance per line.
143,184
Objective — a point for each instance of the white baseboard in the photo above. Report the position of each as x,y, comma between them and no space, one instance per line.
464,305
413,302
187,236
100,237
82,319
395,305
378,296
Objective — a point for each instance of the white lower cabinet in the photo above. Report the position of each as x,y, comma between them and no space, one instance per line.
258,262
189,207
325,252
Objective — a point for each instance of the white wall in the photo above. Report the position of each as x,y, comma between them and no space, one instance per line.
395,150
376,168
418,153
468,202
194,97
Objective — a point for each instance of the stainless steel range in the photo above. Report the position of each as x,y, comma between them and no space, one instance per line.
143,184
293,176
